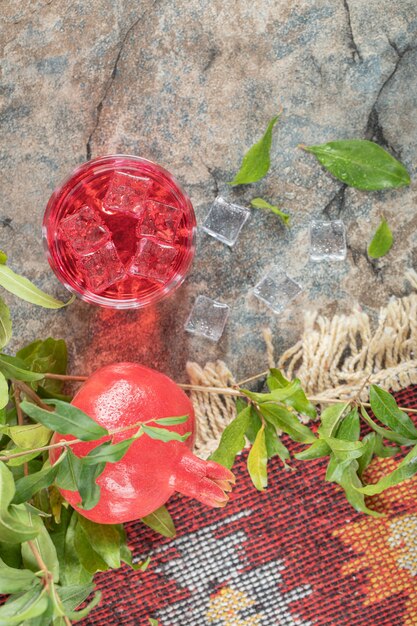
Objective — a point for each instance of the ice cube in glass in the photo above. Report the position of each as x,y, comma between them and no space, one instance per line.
207,318
159,220
276,289
127,193
152,260
103,268
84,232
327,240
225,220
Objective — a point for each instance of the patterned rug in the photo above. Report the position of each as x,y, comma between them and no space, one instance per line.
296,554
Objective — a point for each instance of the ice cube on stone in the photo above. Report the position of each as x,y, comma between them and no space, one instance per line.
207,318
327,240
84,232
276,289
127,193
225,221
103,268
160,221
152,260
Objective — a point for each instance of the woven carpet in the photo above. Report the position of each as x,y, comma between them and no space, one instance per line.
296,554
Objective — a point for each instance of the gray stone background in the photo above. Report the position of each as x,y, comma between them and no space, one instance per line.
192,84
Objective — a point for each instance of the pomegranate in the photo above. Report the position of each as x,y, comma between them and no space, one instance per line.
123,394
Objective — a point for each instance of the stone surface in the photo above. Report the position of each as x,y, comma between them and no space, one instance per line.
192,84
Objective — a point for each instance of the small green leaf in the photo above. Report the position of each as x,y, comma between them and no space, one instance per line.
260,203
76,616
29,436
5,324
350,483
88,488
361,164
254,425
108,452
279,394
12,367
298,400
45,356
406,470
31,484
330,418
4,392
257,461
126,554
285,420
24,607
384,433
170,421
44,545
3,257
72,596
381,242
104,539
161,522
368,452
13,580
344,450
274,445
25,290
317,450
72,571
12,530
385,409
256,162
232,440
66,420
153,622
349,429
163,434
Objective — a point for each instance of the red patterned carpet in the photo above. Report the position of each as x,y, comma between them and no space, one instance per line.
296,554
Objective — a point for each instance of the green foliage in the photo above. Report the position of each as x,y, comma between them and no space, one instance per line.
361,164
381,242
256,162
24,289
260,203
257,461
5,324
161,522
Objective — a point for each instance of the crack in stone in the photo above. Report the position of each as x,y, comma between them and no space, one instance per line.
107,88
352,43
6,222
337,202
357,253
374,130
213,177
213,53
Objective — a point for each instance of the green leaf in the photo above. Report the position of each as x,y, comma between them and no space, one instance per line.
88,488
349,429
108,452
3,257
24,607
345,449
381,242
317,450
66,420
285,420
72,596
12,367
104,540
163,434
365,459
88,557
350,483
256,162
406,470
385,452
330,418
13,580
31,484
232,440
29,436
257,461
298,400
170,421
25,290
5,324
259,203
72,571
75,616
384,433
161,522
126,554
44,545
4,392
274,445
11,554
12,530
386,410
45,356
69,471
361,164
153,622
254,425
276,395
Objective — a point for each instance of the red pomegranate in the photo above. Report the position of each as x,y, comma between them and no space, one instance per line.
124,394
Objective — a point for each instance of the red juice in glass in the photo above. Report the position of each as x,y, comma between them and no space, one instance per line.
120,232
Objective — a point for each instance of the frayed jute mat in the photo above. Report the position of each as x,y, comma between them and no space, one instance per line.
333,359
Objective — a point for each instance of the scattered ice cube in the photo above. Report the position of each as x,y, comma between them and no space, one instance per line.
207,318
152,260
84,231
327,240
225,221
127,193
276,289
103,268
160,221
